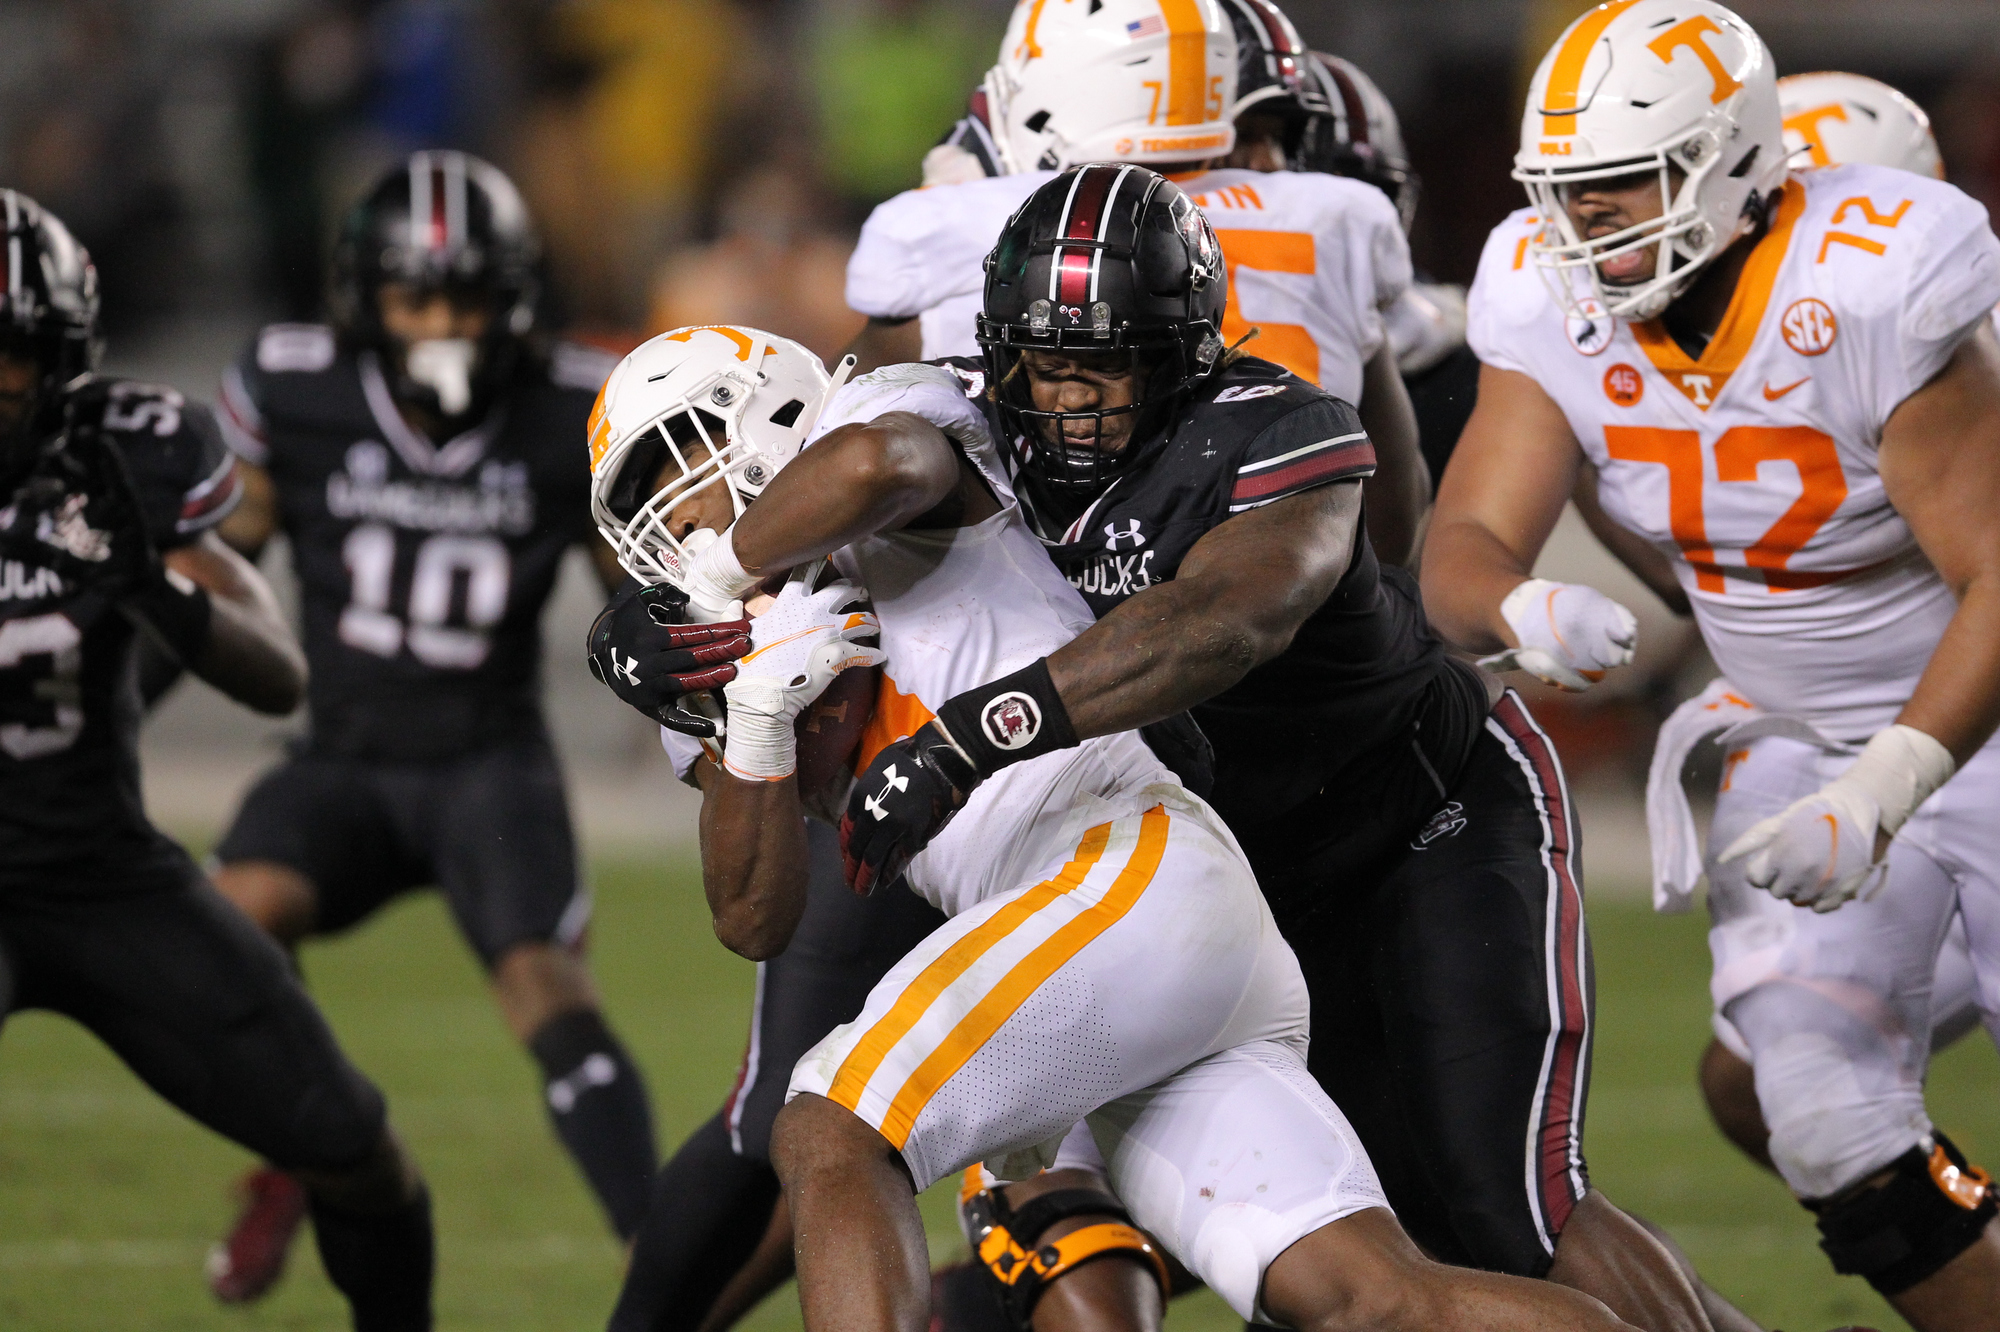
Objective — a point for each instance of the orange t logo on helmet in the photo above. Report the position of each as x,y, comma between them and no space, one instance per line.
1690,33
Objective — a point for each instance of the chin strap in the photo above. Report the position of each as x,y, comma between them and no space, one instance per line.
1007,1243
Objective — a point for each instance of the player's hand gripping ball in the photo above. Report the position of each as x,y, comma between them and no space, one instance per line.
800,644
899,804
642,648
1569,635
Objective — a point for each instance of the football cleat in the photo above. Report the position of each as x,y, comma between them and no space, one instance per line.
244,1267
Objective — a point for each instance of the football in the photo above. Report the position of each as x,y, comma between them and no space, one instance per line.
830,729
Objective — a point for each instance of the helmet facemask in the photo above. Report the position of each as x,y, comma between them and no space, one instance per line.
1075,463
731,428
1685,237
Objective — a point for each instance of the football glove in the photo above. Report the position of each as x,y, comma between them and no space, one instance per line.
797,645
643,649
1569,635
1820,851
905,799
914,786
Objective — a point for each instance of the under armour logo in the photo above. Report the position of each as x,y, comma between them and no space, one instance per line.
598,1070
1112,536
625,670
890,782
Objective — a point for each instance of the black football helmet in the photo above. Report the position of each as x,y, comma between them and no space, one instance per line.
1103,258
441,222
1273,74
48,314
1357,134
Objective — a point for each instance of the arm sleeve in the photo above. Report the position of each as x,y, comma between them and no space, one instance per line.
239,412
1953,285
1314,445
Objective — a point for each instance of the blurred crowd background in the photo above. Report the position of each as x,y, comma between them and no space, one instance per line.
711,160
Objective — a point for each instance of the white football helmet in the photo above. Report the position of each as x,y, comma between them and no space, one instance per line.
1148,81
1834,118
724,405
1650,86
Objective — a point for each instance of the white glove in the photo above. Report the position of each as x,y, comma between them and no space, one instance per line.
1569,635
1820,851
797,646
713,577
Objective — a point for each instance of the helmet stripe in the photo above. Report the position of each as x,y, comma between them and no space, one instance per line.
1350,101
1559,106
1085,213
420,198
1187,62
454,200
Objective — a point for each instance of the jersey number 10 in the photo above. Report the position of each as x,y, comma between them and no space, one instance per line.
435,636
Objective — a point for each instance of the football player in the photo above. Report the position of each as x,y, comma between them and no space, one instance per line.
113,490
418,453
1108,958
1315,258
1407,822
1833,118
1786,383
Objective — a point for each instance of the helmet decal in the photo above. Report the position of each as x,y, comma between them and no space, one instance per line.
1565,96
1691,34
1832,118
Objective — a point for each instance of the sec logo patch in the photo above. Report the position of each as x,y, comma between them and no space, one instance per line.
1809,326
1624,385
1588,327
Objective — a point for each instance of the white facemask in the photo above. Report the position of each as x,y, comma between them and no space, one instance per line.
444,365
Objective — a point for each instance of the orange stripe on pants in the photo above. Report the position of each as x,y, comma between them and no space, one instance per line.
910,1006
1028,975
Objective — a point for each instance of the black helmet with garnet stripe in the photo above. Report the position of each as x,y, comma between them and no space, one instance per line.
48,311
1104,258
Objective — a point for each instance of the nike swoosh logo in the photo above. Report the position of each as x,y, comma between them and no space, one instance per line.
1772,395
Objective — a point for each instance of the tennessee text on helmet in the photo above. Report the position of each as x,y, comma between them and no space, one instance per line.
447,223
1832,118
1113,81
1356,133
1681,91
1101,259
712,405
1273,70
48,309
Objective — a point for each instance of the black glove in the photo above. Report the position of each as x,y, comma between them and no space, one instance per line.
914,786
643,648
905,798
82,511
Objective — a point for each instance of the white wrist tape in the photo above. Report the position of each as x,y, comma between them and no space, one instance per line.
716,580
1899,769
762,746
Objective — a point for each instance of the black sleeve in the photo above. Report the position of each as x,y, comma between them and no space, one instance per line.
184,476
239,408
1316,443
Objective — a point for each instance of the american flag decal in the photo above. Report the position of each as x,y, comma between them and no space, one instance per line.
1148,26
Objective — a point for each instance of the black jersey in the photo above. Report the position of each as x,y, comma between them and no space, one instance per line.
70,808
424,567
1364,675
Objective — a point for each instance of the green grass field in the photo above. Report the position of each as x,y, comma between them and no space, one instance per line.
108,1199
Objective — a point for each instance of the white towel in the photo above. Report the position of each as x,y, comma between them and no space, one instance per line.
1669,822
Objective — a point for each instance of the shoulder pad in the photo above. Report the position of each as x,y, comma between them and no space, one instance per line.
295,349
185,477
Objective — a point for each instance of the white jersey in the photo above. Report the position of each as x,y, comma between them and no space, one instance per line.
963,607
1754,465
1313,261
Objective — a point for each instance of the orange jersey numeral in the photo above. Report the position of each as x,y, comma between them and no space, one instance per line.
1290,345
1822,487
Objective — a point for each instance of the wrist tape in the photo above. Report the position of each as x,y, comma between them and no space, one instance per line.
716,579
1015,718
178,610
1899,769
